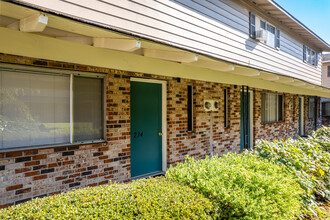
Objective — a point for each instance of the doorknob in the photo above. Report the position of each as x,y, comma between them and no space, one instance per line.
160,134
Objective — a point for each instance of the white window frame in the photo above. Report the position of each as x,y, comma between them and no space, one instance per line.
309,56
40,70
268,25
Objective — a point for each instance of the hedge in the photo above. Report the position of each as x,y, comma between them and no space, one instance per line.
154,198
243,186
308,159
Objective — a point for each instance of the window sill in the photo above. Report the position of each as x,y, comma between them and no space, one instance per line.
271,122
274,48
50,146
312,65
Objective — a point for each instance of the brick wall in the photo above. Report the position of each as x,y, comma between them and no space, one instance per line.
35,173
196,144
279,130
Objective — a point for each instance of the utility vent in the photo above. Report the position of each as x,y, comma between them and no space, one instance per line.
211,105
261,35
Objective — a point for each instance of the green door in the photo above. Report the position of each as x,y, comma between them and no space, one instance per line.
146,128
301,117
245,119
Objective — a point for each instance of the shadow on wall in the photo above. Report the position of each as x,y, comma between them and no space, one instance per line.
221,15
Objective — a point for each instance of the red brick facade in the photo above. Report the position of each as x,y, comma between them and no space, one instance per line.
47,171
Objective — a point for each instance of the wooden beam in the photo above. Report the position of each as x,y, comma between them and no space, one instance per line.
246,71
213,65
176,56
34,23
14,26
78,39
309,86
298,83
268,76
128,45
286,80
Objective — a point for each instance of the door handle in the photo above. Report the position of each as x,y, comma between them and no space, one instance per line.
160,134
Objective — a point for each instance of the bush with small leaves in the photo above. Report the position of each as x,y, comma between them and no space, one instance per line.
322,137
308,161
154,198
244,186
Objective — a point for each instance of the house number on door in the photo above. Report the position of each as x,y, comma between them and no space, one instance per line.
137,134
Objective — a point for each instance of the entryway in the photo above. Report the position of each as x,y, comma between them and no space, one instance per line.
148,127
246,118
301,116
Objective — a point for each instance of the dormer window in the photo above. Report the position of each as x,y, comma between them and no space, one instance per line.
264,32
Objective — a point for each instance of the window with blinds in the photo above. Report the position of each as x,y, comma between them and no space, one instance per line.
311,107
272,108
40,109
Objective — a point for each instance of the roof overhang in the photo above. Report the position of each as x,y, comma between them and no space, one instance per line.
280,14
72,41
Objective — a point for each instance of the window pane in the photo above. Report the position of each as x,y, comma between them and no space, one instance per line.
311,107
312,57
28,112
271,28
328,71
272,107
271,35
263,25
326,108
88,109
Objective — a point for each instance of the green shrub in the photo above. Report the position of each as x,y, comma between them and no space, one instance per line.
243,186
322,137
307,160
154,198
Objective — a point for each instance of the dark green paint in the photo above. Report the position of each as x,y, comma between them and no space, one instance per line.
146,123
245,112
300,117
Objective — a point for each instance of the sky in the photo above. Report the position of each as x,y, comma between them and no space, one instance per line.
315,14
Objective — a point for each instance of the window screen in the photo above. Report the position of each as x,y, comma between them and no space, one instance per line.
328,71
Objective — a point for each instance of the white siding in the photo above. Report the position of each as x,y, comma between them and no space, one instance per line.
325,78
217,28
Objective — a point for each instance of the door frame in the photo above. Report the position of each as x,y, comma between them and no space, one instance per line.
164,113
